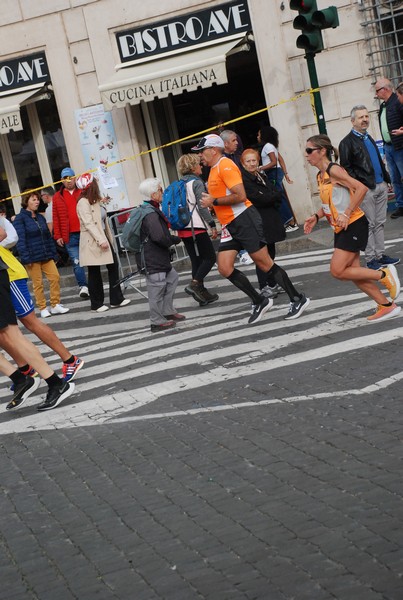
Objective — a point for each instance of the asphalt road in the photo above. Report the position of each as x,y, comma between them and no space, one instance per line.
219,461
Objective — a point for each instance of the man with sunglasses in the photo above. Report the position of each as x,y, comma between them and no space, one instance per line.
391,119
360,157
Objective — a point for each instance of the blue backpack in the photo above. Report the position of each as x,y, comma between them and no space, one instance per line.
174,205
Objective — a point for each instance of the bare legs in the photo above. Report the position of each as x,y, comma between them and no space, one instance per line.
346,267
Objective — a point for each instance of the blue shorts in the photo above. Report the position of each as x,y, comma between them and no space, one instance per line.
21,297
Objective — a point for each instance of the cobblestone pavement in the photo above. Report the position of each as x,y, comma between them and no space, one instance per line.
219,461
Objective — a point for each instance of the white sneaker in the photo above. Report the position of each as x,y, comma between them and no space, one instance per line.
245,259
124,302
84,292
101,309
290,228
59,309
45,313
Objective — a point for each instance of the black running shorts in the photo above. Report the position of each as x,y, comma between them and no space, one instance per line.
246,231
7,312
354,238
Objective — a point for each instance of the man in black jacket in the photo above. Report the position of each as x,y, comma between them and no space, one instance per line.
155,260
360,157
391,119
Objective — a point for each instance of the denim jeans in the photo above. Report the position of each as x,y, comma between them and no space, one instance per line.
395,165
73,249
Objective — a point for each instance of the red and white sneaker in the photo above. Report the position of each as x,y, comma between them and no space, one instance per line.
69,370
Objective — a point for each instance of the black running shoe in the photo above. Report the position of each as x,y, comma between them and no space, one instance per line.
56,395
258,310
297,308
23,391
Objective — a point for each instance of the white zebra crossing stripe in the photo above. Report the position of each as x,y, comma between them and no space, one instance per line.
214,345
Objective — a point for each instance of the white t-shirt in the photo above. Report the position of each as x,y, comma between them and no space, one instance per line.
12,236
267,148
48,213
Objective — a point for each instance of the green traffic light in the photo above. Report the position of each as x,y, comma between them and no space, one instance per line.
328,17
310,42
303,23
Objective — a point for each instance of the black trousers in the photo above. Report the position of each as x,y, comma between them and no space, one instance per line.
96,286
202,264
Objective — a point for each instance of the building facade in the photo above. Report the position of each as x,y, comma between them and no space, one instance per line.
100,84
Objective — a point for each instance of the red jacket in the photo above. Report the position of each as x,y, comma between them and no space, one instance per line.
61,222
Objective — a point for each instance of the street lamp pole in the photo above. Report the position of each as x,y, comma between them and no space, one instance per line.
313,78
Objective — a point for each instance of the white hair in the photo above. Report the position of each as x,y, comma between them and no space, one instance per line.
149,186
226,134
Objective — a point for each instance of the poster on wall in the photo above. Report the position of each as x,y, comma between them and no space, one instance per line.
100,151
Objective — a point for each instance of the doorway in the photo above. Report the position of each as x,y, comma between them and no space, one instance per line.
187,114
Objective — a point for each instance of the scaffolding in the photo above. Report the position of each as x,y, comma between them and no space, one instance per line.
383,33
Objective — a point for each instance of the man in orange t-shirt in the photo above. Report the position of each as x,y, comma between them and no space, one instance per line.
242,228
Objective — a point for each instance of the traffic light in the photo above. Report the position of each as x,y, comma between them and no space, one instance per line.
310,22
328,17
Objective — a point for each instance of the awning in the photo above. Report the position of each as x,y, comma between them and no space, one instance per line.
173,75
10,118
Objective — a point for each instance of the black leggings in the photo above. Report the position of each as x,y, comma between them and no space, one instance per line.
202,264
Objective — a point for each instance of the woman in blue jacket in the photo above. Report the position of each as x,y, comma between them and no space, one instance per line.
37,252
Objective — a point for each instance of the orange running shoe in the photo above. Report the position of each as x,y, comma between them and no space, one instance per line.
384,312
391,281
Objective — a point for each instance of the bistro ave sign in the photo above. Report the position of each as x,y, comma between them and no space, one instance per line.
23,72
183,32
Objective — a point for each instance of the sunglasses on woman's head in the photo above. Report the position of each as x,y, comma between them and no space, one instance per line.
310,150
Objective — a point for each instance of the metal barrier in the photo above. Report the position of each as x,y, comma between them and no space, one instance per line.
128,266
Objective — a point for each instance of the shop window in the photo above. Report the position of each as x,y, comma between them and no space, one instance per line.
5,190
53,136
24,155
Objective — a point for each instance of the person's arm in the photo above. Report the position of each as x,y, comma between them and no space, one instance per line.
346,158
262,195
271,164
11,235
358,189
311,221
157,231
198,189
85,216
22,241
57,230
284,168
237,196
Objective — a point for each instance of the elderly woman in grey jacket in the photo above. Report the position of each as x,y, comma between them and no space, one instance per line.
195,236
96,245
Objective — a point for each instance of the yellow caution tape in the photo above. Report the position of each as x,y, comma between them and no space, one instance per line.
310,92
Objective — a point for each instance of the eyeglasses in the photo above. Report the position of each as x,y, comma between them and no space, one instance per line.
310,150
380,89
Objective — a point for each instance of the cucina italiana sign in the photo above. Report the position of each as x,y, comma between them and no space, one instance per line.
183,32
133,93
